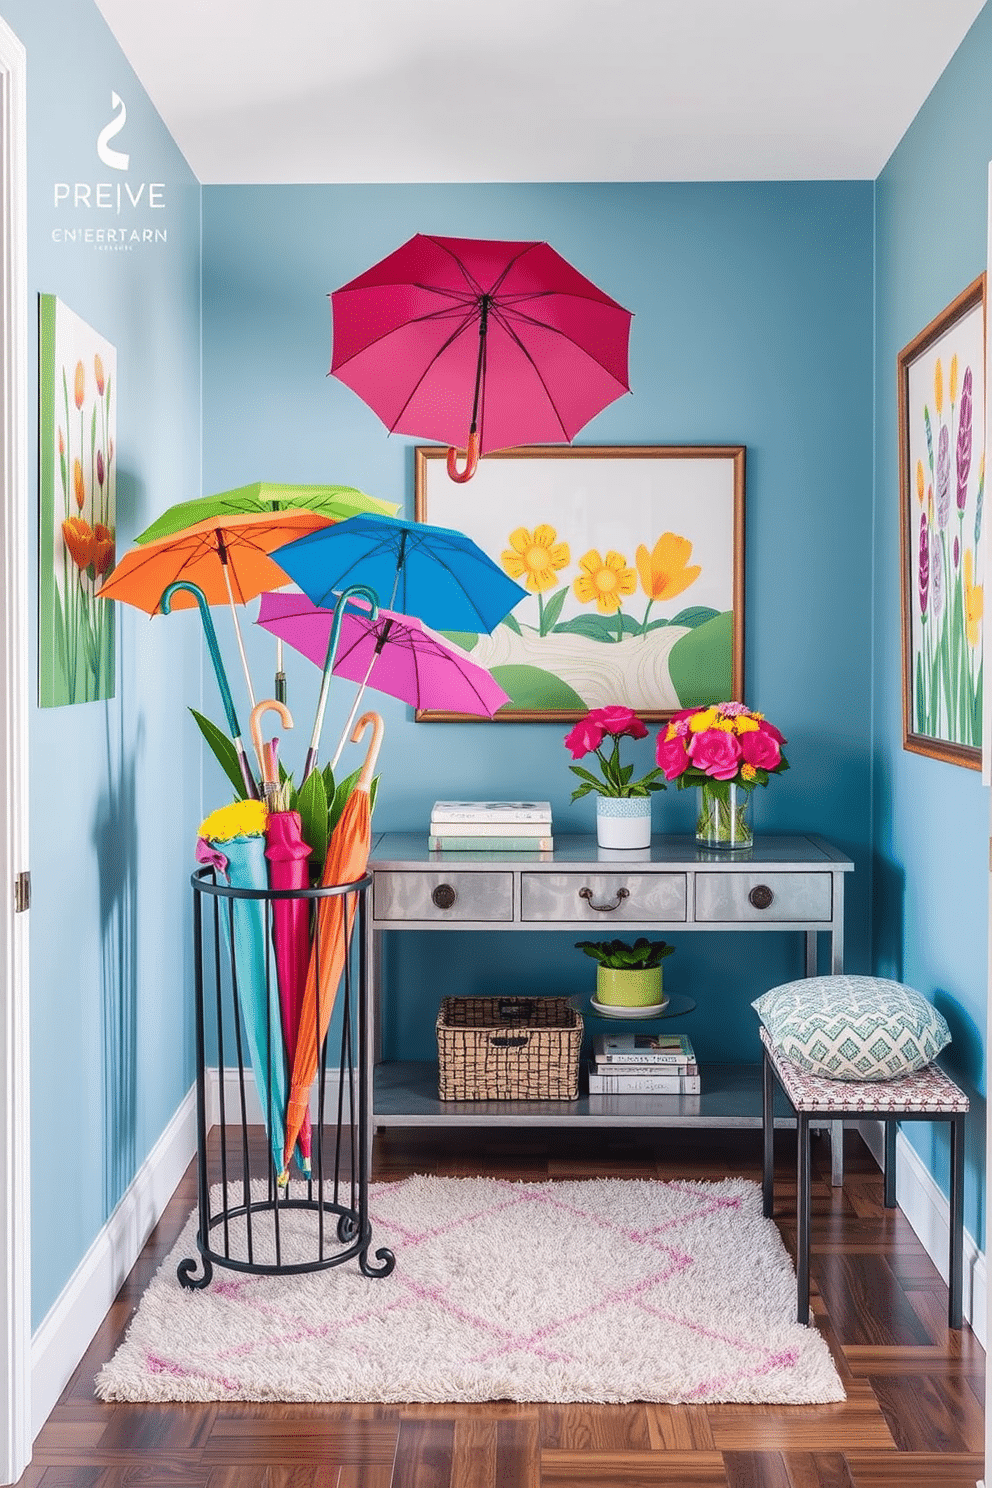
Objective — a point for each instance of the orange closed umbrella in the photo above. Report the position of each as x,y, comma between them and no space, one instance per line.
346,861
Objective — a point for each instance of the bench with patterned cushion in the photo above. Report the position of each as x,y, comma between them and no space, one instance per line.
926,1094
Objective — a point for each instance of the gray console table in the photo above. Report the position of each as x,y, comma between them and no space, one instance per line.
791,884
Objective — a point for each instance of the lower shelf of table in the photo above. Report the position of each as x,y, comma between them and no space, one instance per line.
406,1095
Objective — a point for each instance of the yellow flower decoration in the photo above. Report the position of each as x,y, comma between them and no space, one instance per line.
938,386
240,819
606,580
748,772
538,555
700,722
664,572
919,481
954,378
974,602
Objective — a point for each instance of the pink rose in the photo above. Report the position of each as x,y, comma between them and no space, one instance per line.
769,728
760,749
584,737
617,721
671,756
716,752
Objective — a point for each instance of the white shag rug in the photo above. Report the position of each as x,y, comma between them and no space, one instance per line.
599,1290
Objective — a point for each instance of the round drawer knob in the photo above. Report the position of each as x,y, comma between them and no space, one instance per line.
761,896
444,896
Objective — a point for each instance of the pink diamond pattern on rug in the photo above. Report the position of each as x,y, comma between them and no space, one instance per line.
598,1290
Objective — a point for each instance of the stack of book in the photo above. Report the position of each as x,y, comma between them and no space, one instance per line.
491,826
643,1064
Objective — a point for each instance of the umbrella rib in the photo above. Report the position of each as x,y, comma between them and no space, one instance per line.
538,373
467,321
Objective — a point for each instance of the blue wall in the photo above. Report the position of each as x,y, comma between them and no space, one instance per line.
113,785
753,325
930,819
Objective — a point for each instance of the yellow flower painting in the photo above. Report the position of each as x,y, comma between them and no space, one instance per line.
630,562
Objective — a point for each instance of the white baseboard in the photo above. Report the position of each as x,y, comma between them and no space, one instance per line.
66,1333
928,1211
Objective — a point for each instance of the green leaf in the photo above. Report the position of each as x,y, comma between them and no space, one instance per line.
512,623
311,803
224,752
553,609
584,774
466,640
598,627
693,616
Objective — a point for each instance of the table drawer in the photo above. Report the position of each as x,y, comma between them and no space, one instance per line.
602,898
741,898
442,895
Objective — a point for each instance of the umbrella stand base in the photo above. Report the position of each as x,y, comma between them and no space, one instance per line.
248,1222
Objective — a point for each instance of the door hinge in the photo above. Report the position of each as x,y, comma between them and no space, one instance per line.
22,892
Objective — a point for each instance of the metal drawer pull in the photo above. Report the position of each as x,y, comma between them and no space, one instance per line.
761,896
622,894
444,896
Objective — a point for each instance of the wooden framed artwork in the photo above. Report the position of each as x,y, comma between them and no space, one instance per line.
77,507
941,377
633,562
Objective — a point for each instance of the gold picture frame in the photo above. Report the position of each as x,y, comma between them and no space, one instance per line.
633,558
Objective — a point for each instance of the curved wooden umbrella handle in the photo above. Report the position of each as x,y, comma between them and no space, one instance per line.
255,723
471,461
378,729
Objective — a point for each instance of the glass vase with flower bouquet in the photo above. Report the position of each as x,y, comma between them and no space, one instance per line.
623,807
726,749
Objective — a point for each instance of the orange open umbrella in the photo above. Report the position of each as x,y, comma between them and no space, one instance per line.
347,857
226,557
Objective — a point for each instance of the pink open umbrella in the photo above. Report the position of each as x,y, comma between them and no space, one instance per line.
392,653
503,342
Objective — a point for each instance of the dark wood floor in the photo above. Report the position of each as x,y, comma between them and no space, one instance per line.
913,1417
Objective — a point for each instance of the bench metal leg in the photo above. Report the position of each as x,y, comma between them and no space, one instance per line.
768,1135
803,1217
836,1154
889,1164
955,1269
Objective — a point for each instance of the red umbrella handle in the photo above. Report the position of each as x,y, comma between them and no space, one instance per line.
471,461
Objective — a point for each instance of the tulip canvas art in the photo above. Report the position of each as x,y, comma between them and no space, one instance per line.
942,492
632,563
78,507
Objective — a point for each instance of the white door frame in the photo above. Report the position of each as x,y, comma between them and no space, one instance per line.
15,1209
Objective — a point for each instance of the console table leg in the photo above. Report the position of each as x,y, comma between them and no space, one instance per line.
836,1154
803,1217
768,1135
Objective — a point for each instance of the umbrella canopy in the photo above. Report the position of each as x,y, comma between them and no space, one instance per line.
237,546
262,498
227,558
480,343
347,857
391,652
435,573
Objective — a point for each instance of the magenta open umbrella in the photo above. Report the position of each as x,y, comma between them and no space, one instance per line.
393,653
481,344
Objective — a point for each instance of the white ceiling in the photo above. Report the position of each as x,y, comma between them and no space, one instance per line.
537,90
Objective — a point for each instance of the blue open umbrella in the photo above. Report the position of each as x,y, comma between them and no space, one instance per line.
435,573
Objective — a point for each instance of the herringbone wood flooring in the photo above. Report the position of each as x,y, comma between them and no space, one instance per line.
913,1417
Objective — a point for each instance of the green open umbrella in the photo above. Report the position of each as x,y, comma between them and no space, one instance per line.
336,502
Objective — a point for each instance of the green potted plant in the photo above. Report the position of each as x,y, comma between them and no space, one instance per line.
627,975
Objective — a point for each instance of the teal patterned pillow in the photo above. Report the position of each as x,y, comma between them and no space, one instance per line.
853,1027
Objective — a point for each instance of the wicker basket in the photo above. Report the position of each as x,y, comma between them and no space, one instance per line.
508,1048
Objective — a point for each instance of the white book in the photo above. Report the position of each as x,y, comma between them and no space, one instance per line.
491,811
633,1071
643,1084
643,1048
489,844
443,827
